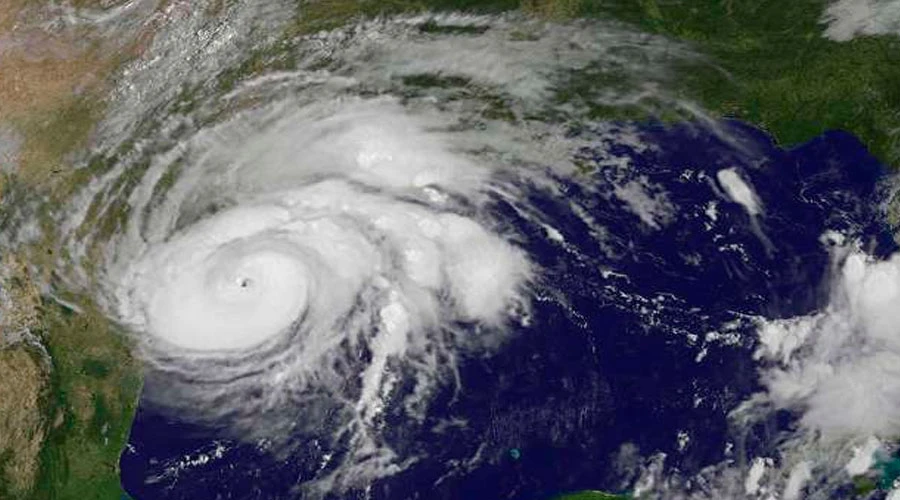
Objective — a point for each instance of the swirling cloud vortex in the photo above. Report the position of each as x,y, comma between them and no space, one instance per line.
251,272
306,249
303,251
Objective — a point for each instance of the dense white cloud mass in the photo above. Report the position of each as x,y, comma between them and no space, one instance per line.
842,365
321,218
312,245
338,230
847,19
315,244
739,191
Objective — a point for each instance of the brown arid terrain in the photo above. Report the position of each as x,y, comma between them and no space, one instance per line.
54,69
23,381
69,378
23,378
57,386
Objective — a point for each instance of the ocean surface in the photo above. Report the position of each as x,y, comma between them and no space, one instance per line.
639,343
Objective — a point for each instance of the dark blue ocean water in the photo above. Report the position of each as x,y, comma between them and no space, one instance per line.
616,350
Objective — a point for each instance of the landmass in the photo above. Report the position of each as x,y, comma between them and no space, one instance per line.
68,382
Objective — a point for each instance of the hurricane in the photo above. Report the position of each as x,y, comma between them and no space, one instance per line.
361,254
310,252
339,253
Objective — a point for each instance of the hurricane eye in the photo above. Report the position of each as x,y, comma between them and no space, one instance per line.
394,253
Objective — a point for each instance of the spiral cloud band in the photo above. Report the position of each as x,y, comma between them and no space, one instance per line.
343,233
317,243
248,273
303,251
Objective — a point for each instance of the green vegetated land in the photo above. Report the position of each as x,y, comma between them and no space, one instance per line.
766,63
769,65
68,403
93,395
